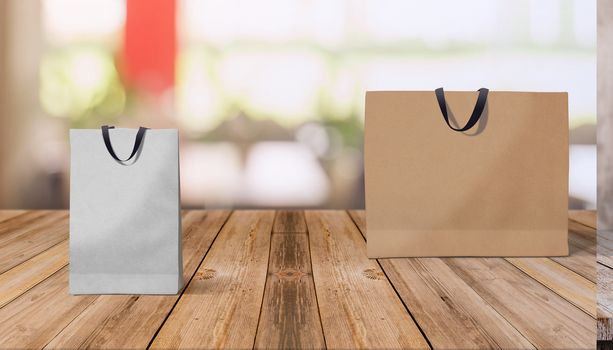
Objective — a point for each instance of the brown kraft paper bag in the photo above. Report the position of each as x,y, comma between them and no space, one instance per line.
498,187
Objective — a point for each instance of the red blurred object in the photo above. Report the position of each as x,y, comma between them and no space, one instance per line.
150,45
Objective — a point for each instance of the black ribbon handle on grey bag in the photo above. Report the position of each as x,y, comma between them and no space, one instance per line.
474,117
109,147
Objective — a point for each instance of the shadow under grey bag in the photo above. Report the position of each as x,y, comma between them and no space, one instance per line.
125,217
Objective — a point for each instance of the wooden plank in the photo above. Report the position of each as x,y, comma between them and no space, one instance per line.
605,291
34,318
359,218
358,306
289,220
582,257
21,278
545,318
585,217
582,242
450,313
130,321
605,329
27,235
290,316
578,228
221,306
8,214
564,282
605,248
16,226
570,285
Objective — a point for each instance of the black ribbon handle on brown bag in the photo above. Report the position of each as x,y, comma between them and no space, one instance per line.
474,117
109,147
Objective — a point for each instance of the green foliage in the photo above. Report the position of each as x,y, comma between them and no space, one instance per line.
82,84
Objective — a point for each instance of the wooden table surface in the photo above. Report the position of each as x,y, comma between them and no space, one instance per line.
605,285
293,279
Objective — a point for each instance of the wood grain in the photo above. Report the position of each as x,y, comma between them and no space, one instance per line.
582,243
605,292
38,315
131,321
450,313
605,329
308,284
605,248
290,315
359,308
26,275
7,214
12,228
585,217
448,310
27,235
572,277
564,282
543,317
582,251
582,230
221,306
289,221
359,218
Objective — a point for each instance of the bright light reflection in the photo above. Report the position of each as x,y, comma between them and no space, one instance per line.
282,84
75,19
211,174
284,174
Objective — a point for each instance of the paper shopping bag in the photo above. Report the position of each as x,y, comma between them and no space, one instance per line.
125,223
466,173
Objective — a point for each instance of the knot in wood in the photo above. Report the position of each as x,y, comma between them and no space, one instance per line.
207,274
290,274
373,274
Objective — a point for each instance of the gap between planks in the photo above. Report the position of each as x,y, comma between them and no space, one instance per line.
33,266
97,322
358,305
605,248
203,258
605,291
226,293
584,301
8,214
289,316
558,274
450,313
29,273
584,217
29,234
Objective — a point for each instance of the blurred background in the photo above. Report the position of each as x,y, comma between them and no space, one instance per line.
605,122
268,95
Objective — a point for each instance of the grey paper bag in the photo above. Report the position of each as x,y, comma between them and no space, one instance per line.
125,222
